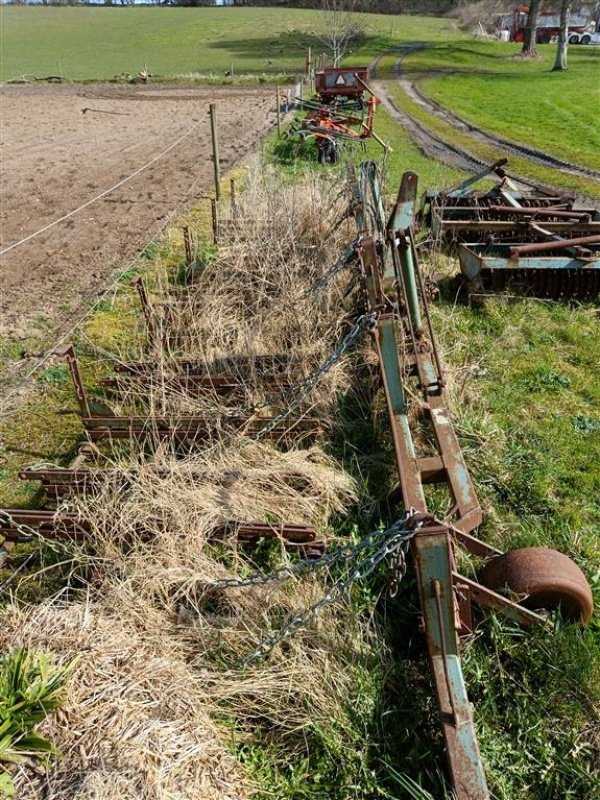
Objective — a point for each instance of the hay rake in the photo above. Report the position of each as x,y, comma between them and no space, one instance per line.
339,113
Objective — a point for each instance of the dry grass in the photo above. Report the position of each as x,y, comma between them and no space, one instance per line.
157,686
254,299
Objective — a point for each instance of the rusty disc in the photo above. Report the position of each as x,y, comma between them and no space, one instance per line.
538,577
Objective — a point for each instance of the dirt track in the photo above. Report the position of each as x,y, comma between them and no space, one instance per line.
56,156
443,150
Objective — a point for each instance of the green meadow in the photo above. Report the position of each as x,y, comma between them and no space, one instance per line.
99,43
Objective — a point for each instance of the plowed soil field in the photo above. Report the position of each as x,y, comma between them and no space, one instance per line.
62,145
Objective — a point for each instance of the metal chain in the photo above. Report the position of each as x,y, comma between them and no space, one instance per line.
364,322
398,571
399,540
344,553
27,533
393,541
339,265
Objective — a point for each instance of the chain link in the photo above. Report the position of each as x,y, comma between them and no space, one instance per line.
27,533
394,542
339,265
344,553
398,571
364,322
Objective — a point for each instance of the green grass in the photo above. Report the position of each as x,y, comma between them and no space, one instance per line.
487,153
522,100
31,689
99,43
529,425
295,157
527,416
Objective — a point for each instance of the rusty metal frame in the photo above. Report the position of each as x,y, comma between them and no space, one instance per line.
413,384
53,524
100,423
59,482
504,236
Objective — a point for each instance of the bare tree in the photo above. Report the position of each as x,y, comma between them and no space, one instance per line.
341,28
561,51
530,31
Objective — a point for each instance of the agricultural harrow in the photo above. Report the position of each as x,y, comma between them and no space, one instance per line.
519,583
393,299
538,243
341,113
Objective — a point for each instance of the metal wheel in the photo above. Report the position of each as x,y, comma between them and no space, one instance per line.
586,39
332,154
540,578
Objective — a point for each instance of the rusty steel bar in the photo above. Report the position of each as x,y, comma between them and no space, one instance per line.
391,372
235,365
195,428
432,553
542,211
61,524
187,244
497,602
433,342
67,353
48,524
138,285
457,190
191,384
543,247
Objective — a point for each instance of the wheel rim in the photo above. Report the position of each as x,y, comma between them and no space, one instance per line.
541,578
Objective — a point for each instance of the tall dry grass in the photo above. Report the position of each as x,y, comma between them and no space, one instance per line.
149,712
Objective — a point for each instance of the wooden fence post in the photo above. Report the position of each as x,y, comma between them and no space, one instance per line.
215,149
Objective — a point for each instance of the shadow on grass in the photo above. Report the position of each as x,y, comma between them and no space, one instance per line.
403,730
286,47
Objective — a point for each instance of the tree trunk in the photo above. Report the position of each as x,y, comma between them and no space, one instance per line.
530,30
561,51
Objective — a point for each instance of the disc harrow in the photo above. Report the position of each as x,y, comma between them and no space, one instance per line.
521,242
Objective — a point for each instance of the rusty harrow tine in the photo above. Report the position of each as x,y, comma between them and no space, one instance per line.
80,480
101,424
279,363
17,525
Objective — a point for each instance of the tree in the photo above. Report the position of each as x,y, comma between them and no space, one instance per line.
341,28
561,51
530,30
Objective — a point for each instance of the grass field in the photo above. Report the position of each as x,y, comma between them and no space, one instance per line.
498,87
99,43
484,151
